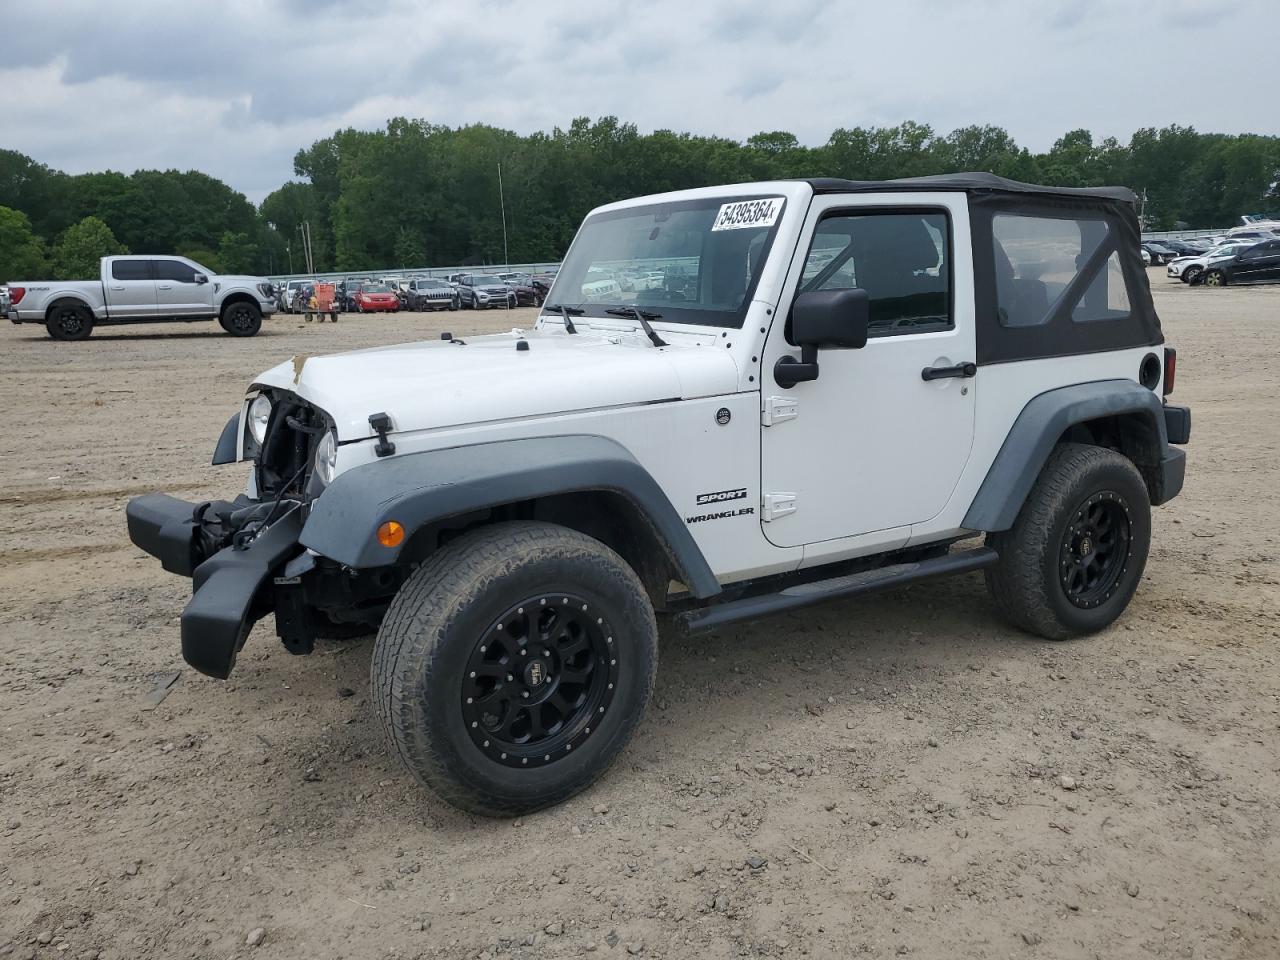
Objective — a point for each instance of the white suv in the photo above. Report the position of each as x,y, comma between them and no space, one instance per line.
837,387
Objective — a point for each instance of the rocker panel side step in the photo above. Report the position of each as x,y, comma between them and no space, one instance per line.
805,595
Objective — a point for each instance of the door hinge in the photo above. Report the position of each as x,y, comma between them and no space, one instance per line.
778,409
776,505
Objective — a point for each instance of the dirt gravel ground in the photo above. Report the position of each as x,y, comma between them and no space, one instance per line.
897,776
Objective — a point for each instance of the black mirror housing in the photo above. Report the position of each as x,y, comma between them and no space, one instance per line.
834,319
200,278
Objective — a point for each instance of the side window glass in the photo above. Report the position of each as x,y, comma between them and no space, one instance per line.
1107,298
1038,258
902,261
174,270
131,270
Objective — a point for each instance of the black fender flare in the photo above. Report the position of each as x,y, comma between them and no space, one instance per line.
1038,428
418,488
228,448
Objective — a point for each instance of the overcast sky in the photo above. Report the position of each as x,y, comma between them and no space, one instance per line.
235,87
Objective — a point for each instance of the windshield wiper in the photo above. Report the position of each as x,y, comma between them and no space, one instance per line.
644,316
565,312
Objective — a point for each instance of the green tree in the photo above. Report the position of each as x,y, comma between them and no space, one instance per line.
21,251
237,252
81,246
207,258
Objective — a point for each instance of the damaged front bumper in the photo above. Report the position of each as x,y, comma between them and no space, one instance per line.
230,550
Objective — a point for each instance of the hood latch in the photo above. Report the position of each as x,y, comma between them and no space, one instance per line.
381,424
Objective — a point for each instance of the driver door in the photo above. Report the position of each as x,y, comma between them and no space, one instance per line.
871,447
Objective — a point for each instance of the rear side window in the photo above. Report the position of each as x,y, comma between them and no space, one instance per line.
1041,262
175,270
131,270
902,259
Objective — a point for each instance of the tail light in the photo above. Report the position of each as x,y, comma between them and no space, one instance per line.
1170,369
16,294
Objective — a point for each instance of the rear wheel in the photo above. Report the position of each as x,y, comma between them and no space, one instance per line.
241,319
1075,554
514,665
69,321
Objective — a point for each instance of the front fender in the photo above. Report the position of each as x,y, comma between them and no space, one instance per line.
418,488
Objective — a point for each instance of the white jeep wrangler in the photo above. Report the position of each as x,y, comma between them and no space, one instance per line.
835,387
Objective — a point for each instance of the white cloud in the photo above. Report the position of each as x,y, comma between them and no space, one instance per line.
235,88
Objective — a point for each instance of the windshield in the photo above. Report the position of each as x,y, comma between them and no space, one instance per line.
693,261
374,288
482,280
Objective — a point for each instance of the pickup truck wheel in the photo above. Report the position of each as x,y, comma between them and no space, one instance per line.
1076,552
241,319
69,321
514,665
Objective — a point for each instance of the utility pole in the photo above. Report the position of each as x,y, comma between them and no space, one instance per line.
304,230
502,204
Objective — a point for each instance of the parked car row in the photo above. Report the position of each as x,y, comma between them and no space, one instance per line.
391,294
1235,262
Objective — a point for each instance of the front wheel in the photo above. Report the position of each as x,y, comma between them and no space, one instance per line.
241,319
1215,278
514,665
455,303
1075,554
1190,274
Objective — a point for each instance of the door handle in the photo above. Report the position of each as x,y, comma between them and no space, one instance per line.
114,287
942,373
164,286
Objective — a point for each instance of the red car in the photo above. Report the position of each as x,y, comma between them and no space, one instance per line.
375,298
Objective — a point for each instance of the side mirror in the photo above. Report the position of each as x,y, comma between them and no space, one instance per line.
830,319
200,278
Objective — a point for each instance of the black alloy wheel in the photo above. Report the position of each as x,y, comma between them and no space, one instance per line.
1095,550
69,321
537,680
241,319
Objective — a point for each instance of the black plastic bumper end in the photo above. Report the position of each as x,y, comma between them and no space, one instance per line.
164,527
230,598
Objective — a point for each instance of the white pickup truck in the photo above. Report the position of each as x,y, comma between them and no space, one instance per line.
142,289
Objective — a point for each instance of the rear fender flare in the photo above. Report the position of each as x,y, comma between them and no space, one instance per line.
418,488
1038,429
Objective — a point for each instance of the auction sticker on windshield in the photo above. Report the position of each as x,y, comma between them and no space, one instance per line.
746,214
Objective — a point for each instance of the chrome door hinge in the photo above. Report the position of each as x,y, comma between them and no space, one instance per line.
775,505
778,409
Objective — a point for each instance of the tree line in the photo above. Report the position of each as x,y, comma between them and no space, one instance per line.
417,193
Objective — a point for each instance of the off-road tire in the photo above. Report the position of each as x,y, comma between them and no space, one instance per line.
1026,584
241,319
444,610
69,321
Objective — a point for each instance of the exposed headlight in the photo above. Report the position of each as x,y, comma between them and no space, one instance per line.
482,296
268,289
259,414
326,457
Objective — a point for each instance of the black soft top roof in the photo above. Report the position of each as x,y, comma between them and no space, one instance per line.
970,183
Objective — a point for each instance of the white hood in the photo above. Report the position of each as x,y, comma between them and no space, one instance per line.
436,383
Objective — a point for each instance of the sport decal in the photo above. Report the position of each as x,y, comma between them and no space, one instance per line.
720,496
